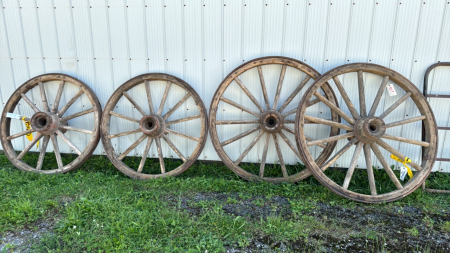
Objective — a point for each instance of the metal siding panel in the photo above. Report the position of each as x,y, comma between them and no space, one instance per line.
404,46
156,36
213,61
193,65
252,27
439,85
274,17
295,27
314,53
202,44
425,55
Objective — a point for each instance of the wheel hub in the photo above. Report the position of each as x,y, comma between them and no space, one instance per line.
45,123
152,125
271,121
370,129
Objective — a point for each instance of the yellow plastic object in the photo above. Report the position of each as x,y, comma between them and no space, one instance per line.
407,160
28,127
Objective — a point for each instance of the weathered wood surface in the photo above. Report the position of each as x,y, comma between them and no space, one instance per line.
59,121
369,132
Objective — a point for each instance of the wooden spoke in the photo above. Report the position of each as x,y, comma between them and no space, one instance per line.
43,97
362,95
56,150
294,93
58,96
164,98
123,116
243,108
289,121
393,151
264,156
335,108
31,130
395,105
133,146
135,131
174,148
346,99
339,154
252,98
328,123
313,102
145,154
293,111
250,146
352,166
42,153
309,139
332,138
24,97
230,122
405,121
377,99
367,155
168,130
280,155
58,132
198,116
160,155
134,103
287,129
402,139
263,87
149,97
78,114
386,166
29,146
280,84
240,136
61,112
75,129
167,115
289,143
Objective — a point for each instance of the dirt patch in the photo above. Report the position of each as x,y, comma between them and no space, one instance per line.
21,240
359,229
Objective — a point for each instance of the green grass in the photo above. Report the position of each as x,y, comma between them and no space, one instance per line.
97,208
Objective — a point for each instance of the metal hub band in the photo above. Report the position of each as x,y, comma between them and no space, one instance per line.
369,129
152,125
45,122
271,121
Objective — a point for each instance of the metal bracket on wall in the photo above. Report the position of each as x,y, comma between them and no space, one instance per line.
425,93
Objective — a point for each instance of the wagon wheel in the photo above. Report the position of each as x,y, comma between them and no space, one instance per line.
155,124
267,119
367,131
51,119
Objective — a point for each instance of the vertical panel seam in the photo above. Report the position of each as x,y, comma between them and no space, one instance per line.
40,37
371,29
283,31
263,28
56,33
164,34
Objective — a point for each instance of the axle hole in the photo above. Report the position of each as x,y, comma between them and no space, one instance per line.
373,128
41,122
149,125
271,122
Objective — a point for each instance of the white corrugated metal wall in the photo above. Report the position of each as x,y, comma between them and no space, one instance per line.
104,43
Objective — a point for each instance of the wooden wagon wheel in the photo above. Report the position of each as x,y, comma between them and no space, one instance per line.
156,123
367,131
50,120
265,119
